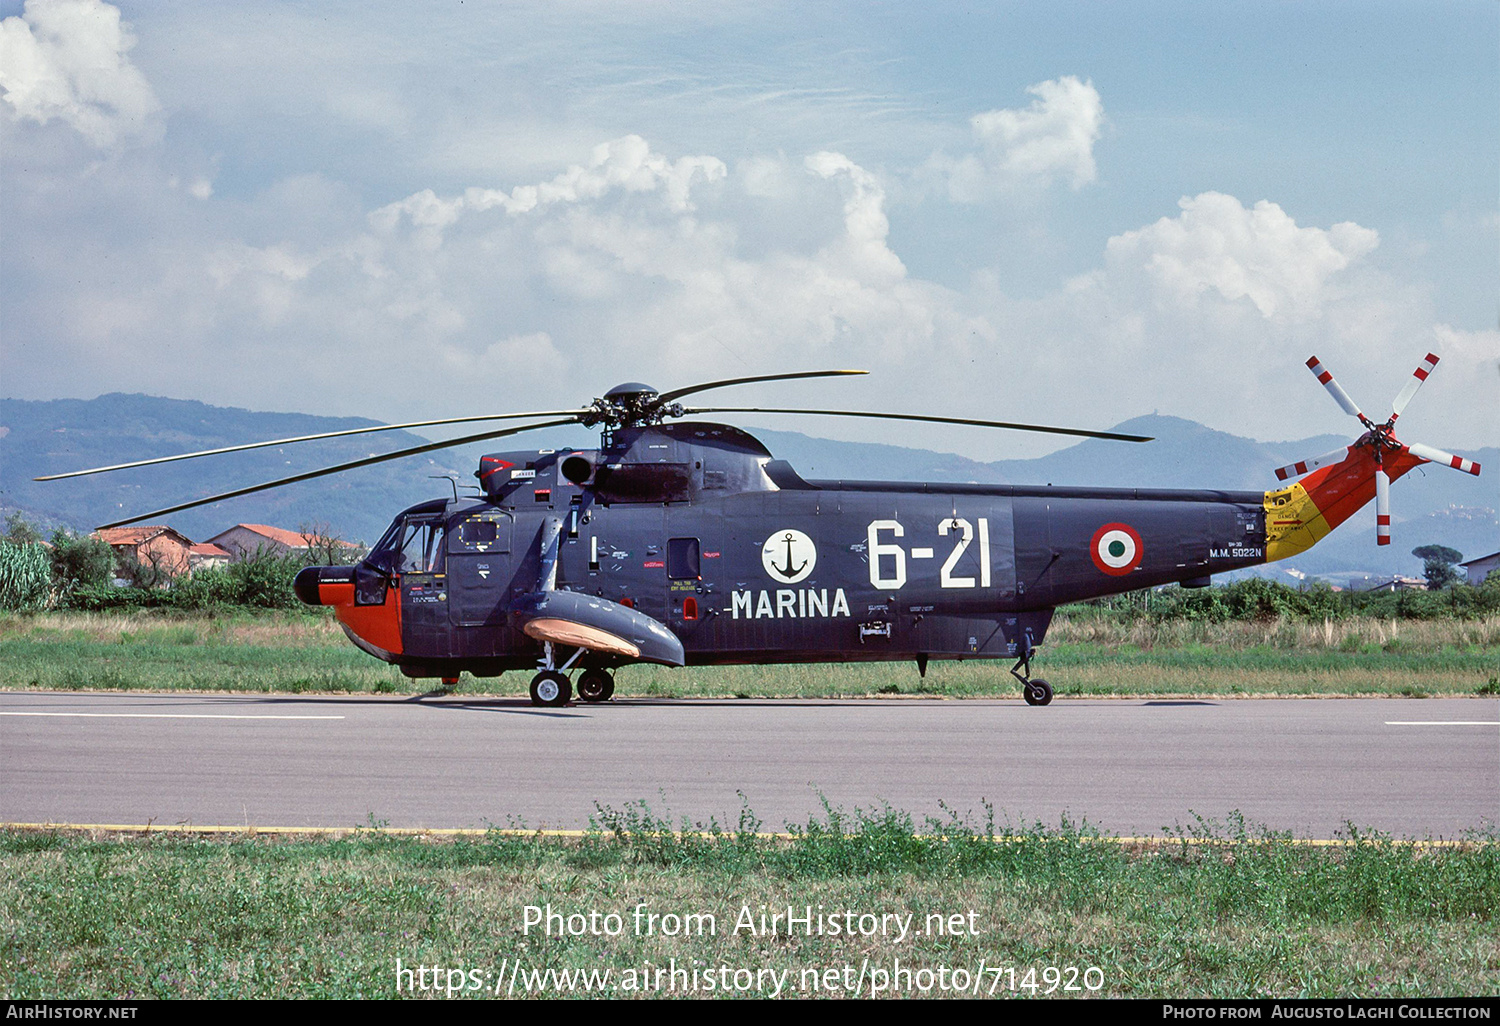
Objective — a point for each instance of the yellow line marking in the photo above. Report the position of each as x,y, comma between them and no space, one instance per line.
384,831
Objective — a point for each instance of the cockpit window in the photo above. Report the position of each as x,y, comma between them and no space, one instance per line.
412,545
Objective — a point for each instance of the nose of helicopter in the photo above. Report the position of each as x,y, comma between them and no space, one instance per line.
310,580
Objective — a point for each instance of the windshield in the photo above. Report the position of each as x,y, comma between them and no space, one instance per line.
414,544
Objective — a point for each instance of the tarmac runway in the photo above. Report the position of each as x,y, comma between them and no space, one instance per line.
1410,768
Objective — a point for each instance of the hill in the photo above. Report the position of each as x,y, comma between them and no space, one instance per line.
44,437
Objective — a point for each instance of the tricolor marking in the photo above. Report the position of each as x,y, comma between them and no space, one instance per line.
1116,549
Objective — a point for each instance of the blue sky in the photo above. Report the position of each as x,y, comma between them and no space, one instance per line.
1050,212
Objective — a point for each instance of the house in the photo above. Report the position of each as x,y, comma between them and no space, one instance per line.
1479,569
157,548
206,555
244,540
1397,583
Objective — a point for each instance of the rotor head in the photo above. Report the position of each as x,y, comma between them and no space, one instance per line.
631,404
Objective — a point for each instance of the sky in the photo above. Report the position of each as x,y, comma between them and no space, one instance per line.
1057,213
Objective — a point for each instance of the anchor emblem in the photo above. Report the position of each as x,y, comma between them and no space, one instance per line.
789,556
788,571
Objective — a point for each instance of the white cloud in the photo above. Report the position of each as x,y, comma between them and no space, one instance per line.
67,59
1050,141
865,223
1217,247
626,164
636,265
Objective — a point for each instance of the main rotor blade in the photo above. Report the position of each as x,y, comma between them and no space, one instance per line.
1417,377
678,393
1334,389
325,471
1432,455
1112,435
307,438
1308,466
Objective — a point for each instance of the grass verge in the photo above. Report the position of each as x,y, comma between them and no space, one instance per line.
1085,656
1227,912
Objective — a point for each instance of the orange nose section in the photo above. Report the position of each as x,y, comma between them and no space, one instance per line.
376,623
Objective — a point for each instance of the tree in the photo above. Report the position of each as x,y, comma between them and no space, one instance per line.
81,562
325,548
19,530
1437,564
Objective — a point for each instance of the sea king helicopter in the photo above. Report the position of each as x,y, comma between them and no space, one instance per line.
686,542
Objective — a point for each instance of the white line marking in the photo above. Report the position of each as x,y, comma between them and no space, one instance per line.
1442,723
170,716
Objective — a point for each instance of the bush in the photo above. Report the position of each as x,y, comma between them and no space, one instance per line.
80,562
25,576
1260,599
261,581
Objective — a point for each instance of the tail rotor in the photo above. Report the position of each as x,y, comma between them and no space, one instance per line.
1379,442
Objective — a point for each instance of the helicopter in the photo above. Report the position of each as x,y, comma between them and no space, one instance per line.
684,541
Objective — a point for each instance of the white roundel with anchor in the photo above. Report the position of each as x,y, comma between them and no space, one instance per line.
789,556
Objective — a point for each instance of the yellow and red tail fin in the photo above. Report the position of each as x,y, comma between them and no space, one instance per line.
1302,514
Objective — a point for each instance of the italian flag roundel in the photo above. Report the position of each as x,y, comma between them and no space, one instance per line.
1116,549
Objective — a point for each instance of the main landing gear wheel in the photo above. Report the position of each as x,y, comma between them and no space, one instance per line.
550,688
596,685
1037,692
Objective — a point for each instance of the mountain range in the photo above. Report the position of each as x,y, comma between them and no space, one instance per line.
1430,505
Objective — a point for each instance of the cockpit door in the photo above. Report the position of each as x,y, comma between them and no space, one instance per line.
416,564
479,561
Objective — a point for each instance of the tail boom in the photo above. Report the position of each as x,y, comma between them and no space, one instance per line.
1300,516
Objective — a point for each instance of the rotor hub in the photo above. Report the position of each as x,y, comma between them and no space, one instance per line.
632,404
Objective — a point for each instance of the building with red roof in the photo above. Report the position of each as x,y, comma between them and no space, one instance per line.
243,540
157,547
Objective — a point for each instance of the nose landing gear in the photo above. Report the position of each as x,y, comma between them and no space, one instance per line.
1035,690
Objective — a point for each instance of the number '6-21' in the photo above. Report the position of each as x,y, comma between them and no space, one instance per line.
888,558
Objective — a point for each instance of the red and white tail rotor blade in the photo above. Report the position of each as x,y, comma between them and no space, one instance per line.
1308,466
1382,507
1432,455
1418,376
1334,389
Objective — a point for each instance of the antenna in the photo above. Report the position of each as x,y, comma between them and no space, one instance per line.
452,479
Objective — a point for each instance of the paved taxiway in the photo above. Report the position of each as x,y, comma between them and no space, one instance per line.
1407,767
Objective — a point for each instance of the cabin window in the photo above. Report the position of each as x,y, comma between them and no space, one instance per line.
682,559
487,531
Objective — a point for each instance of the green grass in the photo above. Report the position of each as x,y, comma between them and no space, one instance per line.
1242,913
1084,657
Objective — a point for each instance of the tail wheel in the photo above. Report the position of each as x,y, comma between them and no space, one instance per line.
596,685
1037,692
550,688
